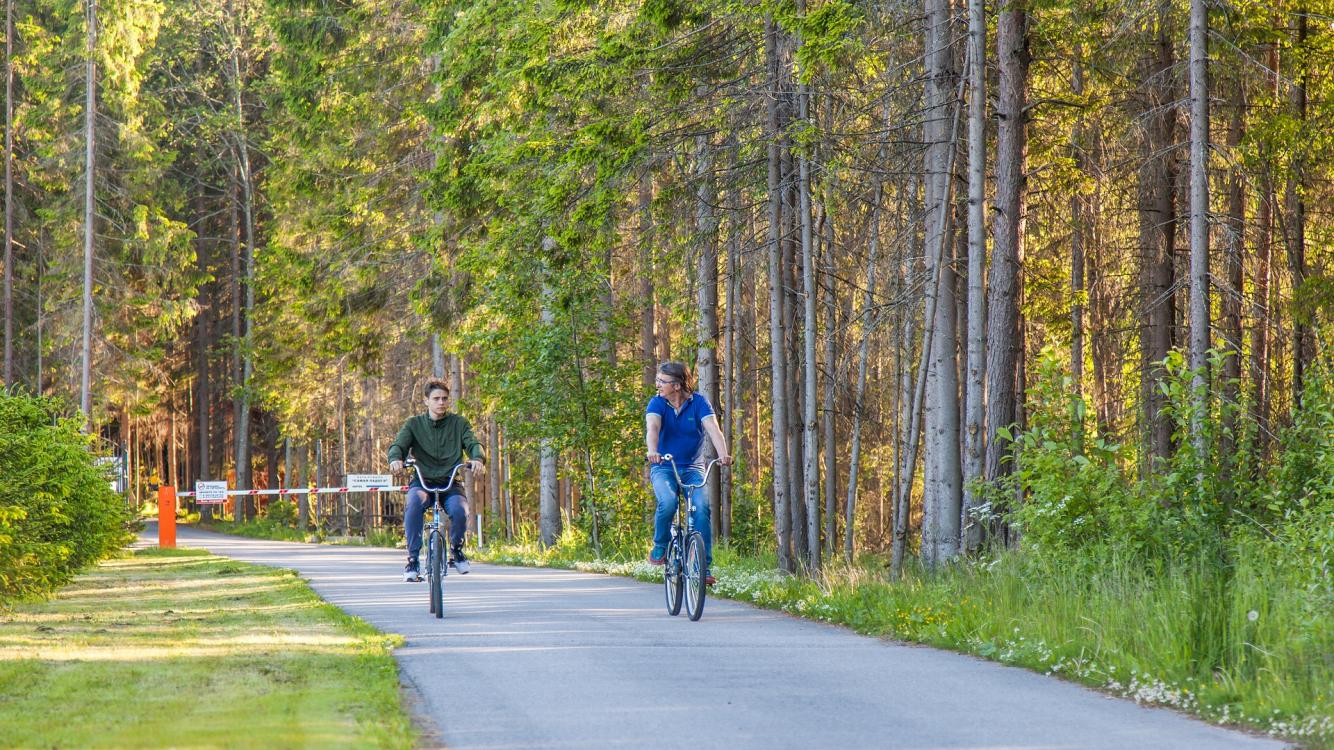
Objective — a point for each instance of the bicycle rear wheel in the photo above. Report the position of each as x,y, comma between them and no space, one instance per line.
671,577
437,575
694,575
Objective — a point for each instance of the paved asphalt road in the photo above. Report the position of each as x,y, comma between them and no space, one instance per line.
535,658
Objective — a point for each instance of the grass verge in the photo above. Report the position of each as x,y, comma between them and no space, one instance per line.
179,648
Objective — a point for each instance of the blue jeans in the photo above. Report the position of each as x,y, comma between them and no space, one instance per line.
419,500
664,489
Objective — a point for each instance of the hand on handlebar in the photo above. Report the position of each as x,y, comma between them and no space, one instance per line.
654,457
395,466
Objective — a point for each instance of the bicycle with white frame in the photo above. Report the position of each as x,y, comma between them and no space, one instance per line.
434,530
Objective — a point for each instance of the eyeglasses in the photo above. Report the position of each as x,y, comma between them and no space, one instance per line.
660,381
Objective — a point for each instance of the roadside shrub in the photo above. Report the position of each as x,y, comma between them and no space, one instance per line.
58,513
282,512
1296,512
1077,493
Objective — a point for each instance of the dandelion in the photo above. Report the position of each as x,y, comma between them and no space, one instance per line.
1252,615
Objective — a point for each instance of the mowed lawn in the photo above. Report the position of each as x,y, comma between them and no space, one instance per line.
178,648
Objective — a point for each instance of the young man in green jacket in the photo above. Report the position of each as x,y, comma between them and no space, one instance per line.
439,441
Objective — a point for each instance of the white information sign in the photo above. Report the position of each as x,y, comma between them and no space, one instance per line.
213,492
363,482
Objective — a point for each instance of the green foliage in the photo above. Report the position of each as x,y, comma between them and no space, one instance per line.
1077,492
1296,508
1233,571
1081,491
282,511
57,512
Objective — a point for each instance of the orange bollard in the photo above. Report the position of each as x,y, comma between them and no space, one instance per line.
166,517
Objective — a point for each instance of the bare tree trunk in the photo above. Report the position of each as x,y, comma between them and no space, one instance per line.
506,485
730,411
549,515
1264,220
1295,219
942,470
793,311
647,344
777,332
39,383
302,475
173,476
973,435
203,398
1157,219
550,521
1236,250
456,381
866,316
1003,313
1199,220
493,466
247,205
1078,227
438,367
89,213
810,425
319,481
828,408
706,364
9,195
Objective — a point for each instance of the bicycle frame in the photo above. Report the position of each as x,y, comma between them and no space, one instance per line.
684,566
435,524
683,497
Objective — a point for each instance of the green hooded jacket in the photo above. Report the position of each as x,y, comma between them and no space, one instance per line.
437,444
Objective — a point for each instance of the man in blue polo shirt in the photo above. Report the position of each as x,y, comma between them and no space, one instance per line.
677,420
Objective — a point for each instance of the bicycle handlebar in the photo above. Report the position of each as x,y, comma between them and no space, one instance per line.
452,474
707,468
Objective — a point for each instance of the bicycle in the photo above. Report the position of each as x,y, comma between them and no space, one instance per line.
436,567
686,560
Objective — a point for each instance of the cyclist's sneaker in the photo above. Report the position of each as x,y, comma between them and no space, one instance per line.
460,562
657,558
709,580
411,573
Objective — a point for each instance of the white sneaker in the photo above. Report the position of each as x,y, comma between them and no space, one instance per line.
460,562
410,575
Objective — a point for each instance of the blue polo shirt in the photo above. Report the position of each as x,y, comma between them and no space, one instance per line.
682,433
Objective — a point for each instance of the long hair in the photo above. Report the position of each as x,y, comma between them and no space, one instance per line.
679,372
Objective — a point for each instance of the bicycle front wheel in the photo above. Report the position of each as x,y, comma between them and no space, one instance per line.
437,575
694,575
672,579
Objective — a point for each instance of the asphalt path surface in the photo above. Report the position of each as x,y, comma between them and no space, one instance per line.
539,658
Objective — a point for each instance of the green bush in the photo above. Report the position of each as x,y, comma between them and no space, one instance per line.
1077,492
58,513
282,512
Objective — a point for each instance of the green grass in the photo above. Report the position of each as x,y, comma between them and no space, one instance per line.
178,648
